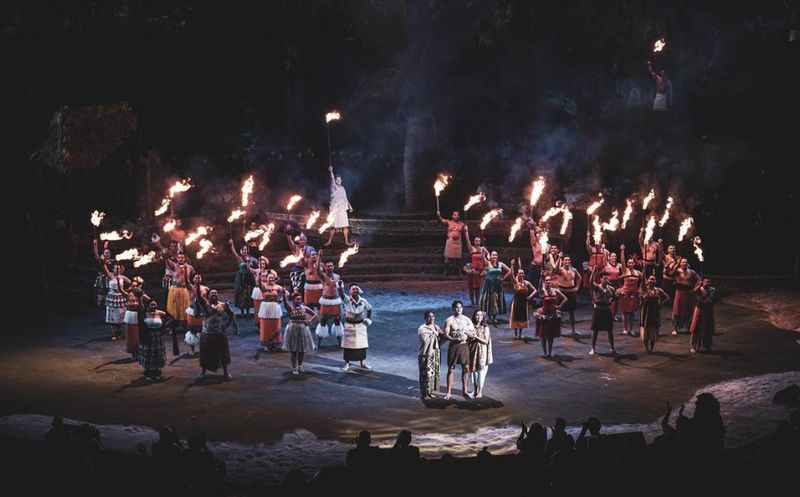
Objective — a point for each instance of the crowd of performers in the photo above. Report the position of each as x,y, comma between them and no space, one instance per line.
627,287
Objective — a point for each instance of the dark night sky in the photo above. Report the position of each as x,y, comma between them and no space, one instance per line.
219,90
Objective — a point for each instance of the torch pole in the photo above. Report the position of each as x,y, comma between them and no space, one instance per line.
330,147
437,204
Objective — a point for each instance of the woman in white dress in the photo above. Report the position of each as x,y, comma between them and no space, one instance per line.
340,206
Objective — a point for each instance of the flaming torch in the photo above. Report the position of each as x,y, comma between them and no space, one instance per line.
291,259
697,250
659,45
97,218
544,240
235,214
205,247
247,190
489,217
201,231
514,229
536,190
626,216
179,187
253,234
613,223
113,236
328,223
439,185
312,219
145,259
595,205
266,236
650,196
128,255
473,200
566,219
686,225
665,216
597,233
648,231
292,202
164,206
170,225
346,255
552,211
332,116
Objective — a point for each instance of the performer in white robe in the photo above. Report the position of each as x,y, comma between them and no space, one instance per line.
340,206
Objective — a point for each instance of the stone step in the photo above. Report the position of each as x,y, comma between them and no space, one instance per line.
228,284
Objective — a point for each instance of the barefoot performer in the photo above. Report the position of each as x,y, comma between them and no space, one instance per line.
178,297
429,356
603,295
458,328
569,282
628,295
703,324
340,206
330,321
194,323
115,298
480,352
357,316
493,300
475,270
269,311
218,317
297,338
452,246
653,298
524,291
548,317
683,305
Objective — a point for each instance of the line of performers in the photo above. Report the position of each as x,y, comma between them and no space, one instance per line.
639,288
315,301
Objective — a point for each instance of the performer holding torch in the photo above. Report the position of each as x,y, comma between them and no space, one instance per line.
340,206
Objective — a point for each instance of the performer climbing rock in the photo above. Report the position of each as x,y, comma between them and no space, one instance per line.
476,268
458,329
357,316
297,338
452,246
330,321
429,356
340,206
703,324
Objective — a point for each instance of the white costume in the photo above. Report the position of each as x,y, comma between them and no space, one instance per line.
339,206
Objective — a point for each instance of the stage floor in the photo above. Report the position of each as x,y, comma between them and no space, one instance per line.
74,369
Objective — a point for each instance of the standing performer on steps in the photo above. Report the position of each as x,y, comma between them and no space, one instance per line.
299,248
340,206
452,246
475,269
524,292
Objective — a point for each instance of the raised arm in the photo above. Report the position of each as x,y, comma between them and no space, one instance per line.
109,273
622,254
333,178
234,252
589,247
532,288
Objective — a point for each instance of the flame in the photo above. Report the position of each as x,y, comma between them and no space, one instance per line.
205,247
665,217
595,205
179,187
253,234
170,225
613,223
332,116
266,236
114,236
128,255
290,259
328,223
489,217
650,196
648,231
247,190
440,184
552,211
164,206
597,234
697,250
201,231
566,219
145,259
346,254
685,226
514,229
312,219
659,45
537,190
626,216
293,201
235,214
473,200
97,218
544,240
